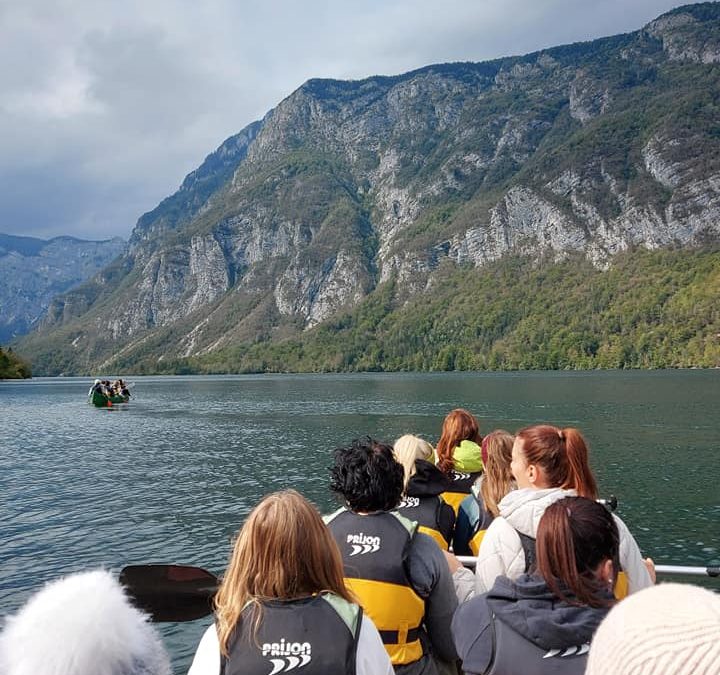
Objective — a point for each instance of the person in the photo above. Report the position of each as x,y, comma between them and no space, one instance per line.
96,386
478,509
399,574
458,454
283,603
542,624
422,485
548,464
670,629
82,624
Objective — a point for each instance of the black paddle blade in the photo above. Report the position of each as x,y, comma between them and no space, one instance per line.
170,592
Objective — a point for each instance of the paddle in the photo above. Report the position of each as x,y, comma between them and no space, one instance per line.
184,593
170,592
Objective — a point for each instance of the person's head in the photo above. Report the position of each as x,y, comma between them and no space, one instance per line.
83,624
544,456
459,426
408,449
367,476
668,629
283,551
577,550
497,476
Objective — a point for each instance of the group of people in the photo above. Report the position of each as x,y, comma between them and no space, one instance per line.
108,389
374,589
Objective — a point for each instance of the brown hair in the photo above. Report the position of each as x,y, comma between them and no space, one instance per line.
459,425
563,456
497,478
574,536
284,551
407,450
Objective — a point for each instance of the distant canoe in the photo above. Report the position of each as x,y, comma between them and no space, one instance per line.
99,399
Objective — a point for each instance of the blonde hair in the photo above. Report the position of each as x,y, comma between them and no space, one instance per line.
497,478
283,551
407,450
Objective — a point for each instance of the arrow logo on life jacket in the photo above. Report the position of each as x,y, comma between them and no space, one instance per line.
461,476
362,549
285,665
576,650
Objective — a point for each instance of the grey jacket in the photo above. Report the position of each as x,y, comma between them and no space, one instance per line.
521,627
430,576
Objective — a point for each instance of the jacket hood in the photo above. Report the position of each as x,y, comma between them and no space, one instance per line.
528,606
467,457
427,481
81,625
523,508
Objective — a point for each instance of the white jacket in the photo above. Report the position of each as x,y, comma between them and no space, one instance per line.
501,552
372,659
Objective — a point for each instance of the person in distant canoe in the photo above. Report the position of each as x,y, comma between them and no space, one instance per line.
458,454
422,487
283,604
478,509
399,575
542,623
96,387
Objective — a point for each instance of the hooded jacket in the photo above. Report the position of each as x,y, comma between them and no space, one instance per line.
521,627
501,552
81,625
422,502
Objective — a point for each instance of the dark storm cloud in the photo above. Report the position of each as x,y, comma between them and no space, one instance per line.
106,106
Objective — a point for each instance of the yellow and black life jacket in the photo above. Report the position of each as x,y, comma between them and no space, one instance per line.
461,487
374,549
426,512
481,525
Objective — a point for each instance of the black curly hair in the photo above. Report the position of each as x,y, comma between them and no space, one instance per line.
367,476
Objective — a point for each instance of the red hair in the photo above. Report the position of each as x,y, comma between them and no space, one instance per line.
563,456
459,426
574,536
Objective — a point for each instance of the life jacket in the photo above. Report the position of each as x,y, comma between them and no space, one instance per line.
318,635
461,487
481,526
513,653
528,546
374,549
426,512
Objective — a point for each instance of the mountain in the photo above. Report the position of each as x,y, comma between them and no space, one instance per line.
33,271
373,198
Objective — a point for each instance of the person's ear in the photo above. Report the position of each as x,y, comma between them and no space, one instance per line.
606,573
533,473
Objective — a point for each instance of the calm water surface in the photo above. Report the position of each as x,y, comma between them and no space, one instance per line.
171,476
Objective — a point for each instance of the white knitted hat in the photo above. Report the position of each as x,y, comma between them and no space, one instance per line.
669,629
83,624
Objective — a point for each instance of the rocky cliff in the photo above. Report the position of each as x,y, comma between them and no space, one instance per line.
345,187
34,271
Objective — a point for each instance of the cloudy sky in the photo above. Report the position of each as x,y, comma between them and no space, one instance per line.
105,106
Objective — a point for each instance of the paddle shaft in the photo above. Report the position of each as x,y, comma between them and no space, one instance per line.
711,571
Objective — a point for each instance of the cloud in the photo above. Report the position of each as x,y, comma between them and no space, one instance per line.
107,106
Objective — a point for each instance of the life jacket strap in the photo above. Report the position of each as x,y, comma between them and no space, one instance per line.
395,637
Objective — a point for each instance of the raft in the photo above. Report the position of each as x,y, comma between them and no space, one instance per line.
101,401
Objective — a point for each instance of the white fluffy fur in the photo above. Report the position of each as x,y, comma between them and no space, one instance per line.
81,625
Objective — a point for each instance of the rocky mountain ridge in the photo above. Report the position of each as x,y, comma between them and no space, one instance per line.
344,187
33,271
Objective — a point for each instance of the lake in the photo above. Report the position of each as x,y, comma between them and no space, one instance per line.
171,476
